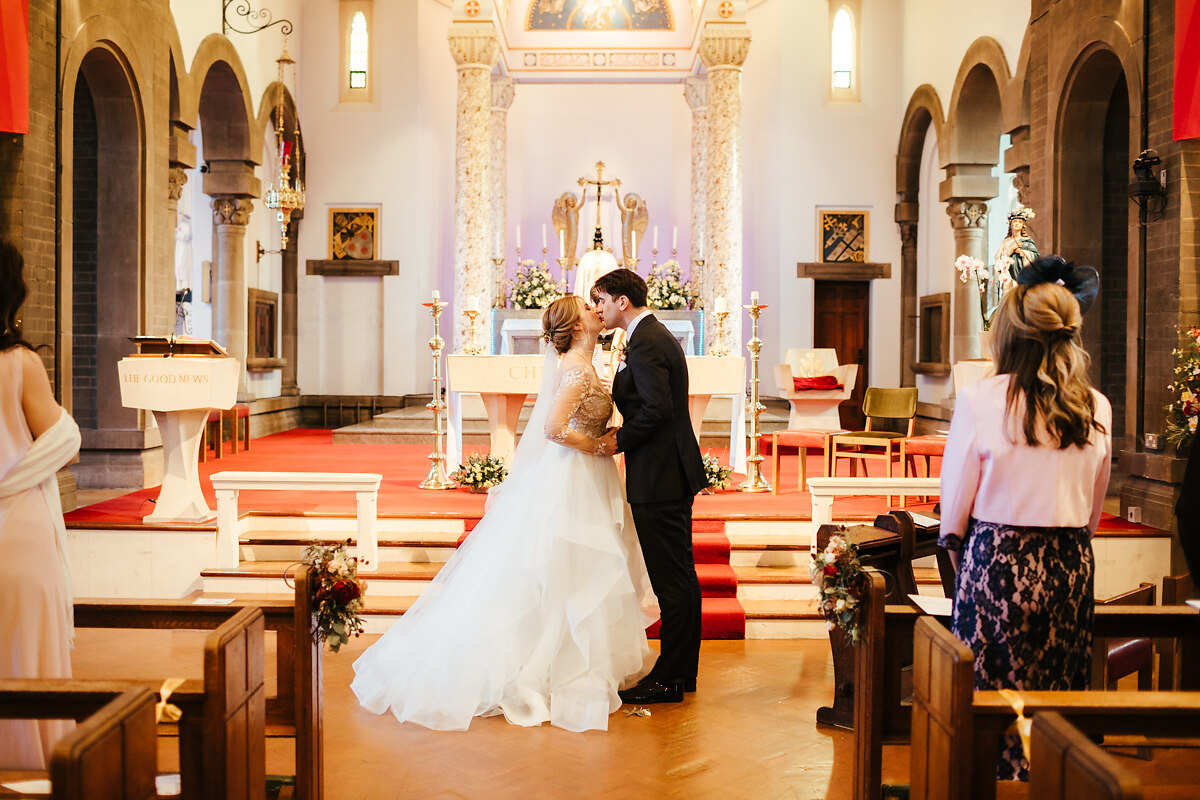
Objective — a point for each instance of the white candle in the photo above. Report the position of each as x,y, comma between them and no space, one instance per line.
675,238
518,237
543,236
754,298
655,237
472,303
719,305
562,244
436,295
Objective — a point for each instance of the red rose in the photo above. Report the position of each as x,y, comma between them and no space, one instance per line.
344,591
830,569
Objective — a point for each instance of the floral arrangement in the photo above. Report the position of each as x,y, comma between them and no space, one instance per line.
1183,413
841,585
718,475
534,287
665,289
338,593
480,472
993,282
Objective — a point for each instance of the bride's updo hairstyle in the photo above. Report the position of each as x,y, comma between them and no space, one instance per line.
1036,339
559,320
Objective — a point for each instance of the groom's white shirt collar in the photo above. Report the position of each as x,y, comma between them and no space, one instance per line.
633,325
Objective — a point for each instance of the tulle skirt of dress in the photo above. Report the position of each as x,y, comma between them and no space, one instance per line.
540,615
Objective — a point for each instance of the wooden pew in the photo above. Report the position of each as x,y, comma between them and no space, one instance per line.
295,710
890,546
222,746
111,753
887,638
1179,661
1066,764
956,733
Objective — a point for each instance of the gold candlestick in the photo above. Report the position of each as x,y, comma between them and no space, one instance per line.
472,347
501,300
631,263
437,478
653,258
698,280
719,348
754,480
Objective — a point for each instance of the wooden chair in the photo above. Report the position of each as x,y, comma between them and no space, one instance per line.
878,403
112,751
799,443
1065,764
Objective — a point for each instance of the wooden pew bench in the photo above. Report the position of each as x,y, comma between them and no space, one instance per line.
111,752
222,746
295,710
884,651
956,731
365,486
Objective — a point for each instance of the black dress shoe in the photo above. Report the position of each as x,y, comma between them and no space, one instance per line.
689,685
650,692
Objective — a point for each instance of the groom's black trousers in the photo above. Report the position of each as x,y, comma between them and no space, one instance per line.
665,531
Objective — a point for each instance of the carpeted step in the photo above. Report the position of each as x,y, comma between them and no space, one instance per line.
720,618
717,580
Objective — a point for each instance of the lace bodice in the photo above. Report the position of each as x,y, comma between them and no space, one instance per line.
581,409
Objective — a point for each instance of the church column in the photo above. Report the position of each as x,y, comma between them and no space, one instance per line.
910,317
290,259
695,91
502,98
968,217
475,48
230,215
723,48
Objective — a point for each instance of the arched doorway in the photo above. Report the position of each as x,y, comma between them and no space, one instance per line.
1092,210
107,234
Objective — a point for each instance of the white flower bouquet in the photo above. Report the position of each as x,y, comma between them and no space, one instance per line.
480,473
665,289
993,282
534,287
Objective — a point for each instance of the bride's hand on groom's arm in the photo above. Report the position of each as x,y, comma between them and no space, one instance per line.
607,444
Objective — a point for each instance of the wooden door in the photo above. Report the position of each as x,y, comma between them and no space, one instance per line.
842,321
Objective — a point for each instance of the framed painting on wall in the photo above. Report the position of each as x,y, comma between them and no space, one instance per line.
842,235
353,234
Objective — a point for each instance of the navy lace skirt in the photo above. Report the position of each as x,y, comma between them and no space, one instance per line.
1023,603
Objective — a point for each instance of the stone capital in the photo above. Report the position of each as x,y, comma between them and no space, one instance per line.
695,91
474,45
724,45
176,178
232,210
967,213
502,93
908,234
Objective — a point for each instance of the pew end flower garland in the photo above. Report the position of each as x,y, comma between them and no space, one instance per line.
337,593
1183,413
841,585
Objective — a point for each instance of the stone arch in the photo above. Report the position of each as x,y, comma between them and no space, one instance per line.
923,113
104,236
1094,139
220,101
975,117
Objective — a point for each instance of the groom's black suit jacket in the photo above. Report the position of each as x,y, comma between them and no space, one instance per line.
662,456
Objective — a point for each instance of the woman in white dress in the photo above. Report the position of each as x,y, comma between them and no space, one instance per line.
541,615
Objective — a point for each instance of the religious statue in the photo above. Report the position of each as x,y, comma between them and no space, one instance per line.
565,217
1018,249
183,252
633,220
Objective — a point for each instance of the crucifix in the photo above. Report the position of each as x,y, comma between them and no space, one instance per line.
598,237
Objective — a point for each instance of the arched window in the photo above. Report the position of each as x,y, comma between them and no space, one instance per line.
356,18
843,50
358,51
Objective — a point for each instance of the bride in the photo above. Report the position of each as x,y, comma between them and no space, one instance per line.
541,614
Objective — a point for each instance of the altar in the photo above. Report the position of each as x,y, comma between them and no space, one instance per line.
506,381
518,331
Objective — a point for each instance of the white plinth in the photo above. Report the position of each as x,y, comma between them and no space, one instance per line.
180,391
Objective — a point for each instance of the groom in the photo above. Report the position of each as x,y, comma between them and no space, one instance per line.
663,472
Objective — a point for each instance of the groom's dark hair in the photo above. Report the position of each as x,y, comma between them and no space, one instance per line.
621,282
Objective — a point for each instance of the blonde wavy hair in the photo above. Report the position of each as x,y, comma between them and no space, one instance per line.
559,319
1036,339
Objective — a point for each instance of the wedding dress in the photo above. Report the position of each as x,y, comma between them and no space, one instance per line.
541,613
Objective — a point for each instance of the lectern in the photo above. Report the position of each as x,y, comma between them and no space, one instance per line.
181,380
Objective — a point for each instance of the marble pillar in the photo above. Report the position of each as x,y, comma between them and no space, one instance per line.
723,48
968,217
695,91
502,98
230,215
475,47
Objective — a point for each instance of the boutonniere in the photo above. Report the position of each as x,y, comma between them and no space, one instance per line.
621,351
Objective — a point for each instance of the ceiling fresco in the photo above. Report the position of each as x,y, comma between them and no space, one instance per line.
599,15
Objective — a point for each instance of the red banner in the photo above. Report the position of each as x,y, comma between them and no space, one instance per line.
1187,69
14,66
